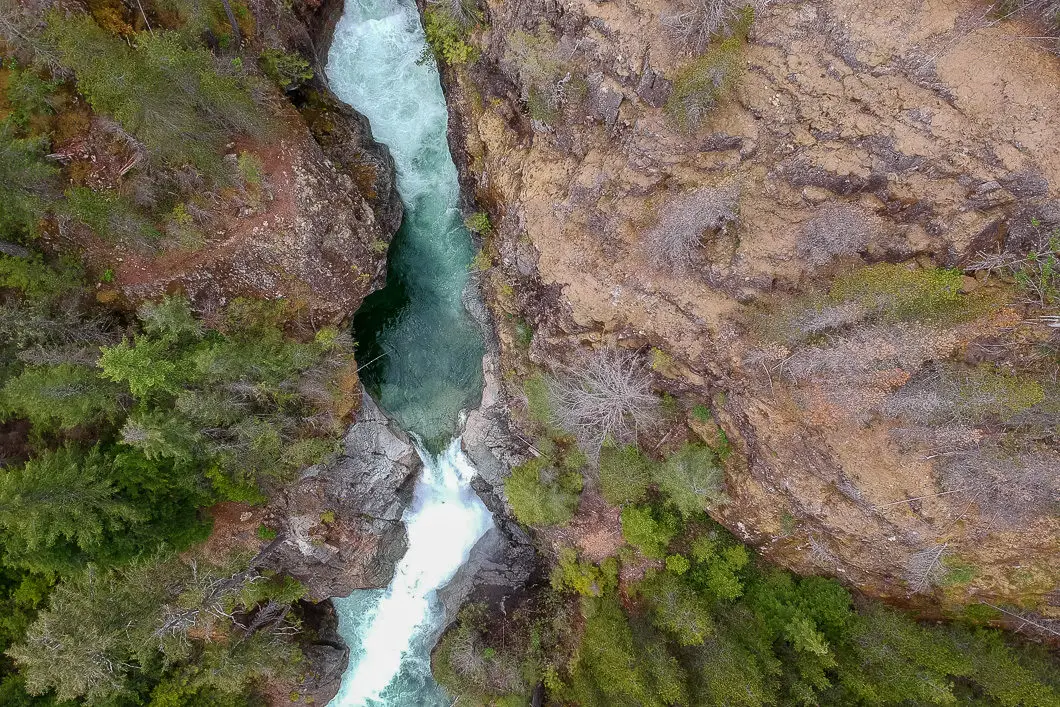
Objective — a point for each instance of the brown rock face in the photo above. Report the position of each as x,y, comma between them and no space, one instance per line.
317,236
926,127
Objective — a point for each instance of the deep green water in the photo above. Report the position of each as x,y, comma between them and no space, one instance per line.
431,351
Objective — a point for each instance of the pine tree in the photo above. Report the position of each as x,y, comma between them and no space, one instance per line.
677,609
59,502
145,365
170,319
161,435
60,397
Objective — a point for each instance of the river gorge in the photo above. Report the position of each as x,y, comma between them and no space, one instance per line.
423,349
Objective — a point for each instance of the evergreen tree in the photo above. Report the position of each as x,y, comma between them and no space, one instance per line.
171,320
59,502
162,435
26,181
145,365
677,609
60,397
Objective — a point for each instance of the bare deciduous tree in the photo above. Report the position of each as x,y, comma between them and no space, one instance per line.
466,657
608,395
701,20
864,350
686,219
1007,486
465,12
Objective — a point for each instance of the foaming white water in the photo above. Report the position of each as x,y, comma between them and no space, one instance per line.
444,521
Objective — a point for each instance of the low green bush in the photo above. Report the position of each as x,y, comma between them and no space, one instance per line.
541,495
648,530
288,70
692,479
896,293
624,474
701,83
583,577
446,36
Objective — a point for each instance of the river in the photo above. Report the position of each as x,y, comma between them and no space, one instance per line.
426,352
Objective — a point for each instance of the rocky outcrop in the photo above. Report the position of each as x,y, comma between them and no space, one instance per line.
930,122
502,561
326,657
312,235
341,522
309,220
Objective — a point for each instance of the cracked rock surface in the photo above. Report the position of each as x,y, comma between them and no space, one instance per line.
341,522
930,121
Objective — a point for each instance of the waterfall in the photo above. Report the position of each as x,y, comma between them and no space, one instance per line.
444,521
427,348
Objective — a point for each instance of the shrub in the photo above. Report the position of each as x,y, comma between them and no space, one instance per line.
692,479
251,169
479,222
541,71
607,397
537,399
288,70
701,413
465,12
896,293
540,496
700,84
700,21
955,395
1036,271
583,577
109,215
648,531
624,474
38,281
446,35
29,96
834,231
684,221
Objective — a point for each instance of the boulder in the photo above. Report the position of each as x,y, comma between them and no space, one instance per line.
341,522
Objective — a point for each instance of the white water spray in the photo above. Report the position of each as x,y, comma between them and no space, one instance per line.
444,521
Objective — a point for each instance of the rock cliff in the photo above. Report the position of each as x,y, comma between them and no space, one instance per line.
916,133
341,522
